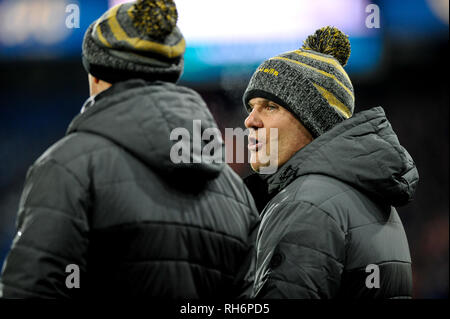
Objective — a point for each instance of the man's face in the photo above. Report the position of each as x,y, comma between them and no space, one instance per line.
291,137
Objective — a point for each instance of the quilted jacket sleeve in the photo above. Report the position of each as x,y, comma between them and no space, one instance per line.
51,234
308,261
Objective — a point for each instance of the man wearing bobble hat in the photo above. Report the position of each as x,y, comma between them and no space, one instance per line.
329,229
105,212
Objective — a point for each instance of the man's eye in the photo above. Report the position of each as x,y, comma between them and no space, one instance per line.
271,107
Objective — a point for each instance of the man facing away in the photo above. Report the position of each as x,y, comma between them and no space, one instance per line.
330,228
105,211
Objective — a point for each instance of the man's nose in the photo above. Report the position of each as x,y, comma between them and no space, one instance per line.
253,120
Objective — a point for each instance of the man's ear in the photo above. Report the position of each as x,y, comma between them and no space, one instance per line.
96,80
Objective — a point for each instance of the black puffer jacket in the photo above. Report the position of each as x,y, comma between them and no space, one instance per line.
332,216
108,199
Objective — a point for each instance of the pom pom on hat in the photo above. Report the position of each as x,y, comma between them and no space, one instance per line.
331,41
155,18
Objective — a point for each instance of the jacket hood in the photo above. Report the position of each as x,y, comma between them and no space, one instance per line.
362,151
140,116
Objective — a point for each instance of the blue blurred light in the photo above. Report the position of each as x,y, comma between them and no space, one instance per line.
414,18
37,29
227,41
209,63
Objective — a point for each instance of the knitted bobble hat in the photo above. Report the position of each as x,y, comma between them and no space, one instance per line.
310,82
135,40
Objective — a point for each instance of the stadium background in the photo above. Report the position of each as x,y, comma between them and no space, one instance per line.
402,66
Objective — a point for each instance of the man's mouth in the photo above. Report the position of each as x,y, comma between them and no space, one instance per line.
253,144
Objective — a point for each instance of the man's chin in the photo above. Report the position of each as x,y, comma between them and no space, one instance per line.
263,168
255,167
254,163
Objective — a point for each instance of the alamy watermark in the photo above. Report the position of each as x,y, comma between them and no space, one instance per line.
373,280
73,16
73,279
373,17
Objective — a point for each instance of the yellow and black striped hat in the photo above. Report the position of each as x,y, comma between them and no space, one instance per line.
310,82
135,40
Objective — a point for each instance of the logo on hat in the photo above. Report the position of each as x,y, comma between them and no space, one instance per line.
266,70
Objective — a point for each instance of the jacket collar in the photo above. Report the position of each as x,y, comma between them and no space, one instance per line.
88,108
285,175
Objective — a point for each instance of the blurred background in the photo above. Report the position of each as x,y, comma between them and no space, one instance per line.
399,61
